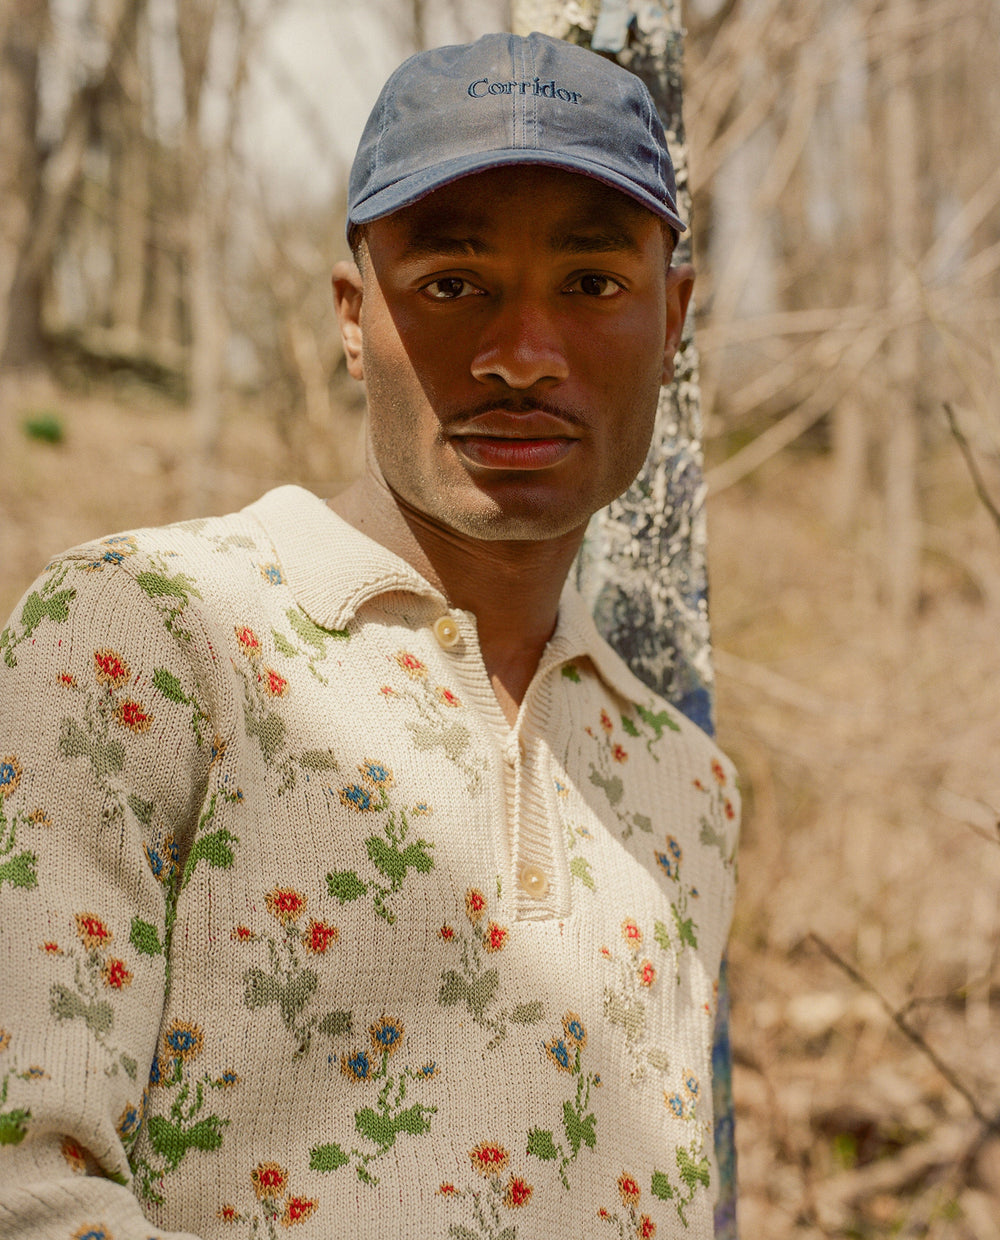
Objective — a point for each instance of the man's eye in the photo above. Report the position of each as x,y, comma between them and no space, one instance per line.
449,288
595,286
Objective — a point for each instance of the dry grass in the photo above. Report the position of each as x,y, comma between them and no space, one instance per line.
869,763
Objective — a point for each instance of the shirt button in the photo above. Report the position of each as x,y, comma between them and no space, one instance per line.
534,881
446,631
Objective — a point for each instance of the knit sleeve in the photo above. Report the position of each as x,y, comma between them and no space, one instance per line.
105,742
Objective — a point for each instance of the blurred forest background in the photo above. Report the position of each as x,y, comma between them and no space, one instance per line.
172,180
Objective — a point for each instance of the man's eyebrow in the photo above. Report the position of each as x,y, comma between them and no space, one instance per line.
432,243
602,240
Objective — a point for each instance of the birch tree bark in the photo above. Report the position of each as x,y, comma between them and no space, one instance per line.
642,567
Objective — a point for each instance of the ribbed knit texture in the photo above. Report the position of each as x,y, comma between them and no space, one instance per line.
300,936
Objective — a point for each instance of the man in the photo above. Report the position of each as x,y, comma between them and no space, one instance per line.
342,828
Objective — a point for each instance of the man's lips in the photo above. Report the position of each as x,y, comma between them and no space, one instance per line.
500,439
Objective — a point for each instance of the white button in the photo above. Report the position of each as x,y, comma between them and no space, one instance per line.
446,631
534,881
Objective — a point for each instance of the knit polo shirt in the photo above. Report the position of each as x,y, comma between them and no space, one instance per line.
301,937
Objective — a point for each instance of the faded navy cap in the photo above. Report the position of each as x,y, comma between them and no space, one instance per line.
503,100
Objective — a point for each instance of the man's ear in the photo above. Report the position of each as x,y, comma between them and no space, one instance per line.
348,293
680,282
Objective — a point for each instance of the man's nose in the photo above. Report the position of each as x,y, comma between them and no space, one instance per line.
521,345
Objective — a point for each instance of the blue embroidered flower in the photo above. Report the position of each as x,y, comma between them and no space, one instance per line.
156,862
674,848
357,1066
155,1071
356,797
574,1029
427,1071
376,774
386,1035
676,1104
113,557
129,1121
226,1080
90,1233
10,775
691,1084
271,574
668,865
183,1039
558,1052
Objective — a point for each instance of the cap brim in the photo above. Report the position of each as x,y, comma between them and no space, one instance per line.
411,189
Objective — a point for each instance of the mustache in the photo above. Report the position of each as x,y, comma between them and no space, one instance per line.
515,405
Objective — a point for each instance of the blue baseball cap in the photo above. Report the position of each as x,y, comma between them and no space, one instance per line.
506,99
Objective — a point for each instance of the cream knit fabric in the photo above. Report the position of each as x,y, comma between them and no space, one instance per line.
300,937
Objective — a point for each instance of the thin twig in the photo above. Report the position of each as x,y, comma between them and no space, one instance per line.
899,1020
970,461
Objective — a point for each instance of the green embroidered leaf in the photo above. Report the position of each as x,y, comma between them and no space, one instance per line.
283,645
454,989
66,1004
629,726
166,1138
629,1014
613,787
143,810
169,685
14,1126
296,994
482,991
269,731
685,928
386,858
345,886
459,1231
36,609
416,856
661,934
19,871
261,989
376,1127
658,1058
642,822
157,586
693,1173
310,633
527,1013
144,937
657,722
116,1177
661,1186
364,1176
213,848
508,1233
318,760
579,867
327,1157
334,1024
130,1066
578,1130
206,1135
106,757
540,1144
570,672
413,1120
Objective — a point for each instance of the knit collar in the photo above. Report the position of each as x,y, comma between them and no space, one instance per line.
333,570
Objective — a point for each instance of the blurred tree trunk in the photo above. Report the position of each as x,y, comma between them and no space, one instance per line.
126,126
900,429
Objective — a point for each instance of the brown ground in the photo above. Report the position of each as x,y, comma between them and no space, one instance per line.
872,791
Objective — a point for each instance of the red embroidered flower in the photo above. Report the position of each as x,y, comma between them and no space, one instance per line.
131,715
698,784
286,904
51,949
647,973
717,771
518,1193
446,933
606,953
602,1213
387,691
248,640
447,697
628,1189
75,1154
475,904
275,684
631,933
67,679
606,723
110,668
728,810
411,665
619,754
496,937
489,1159
647,1228
318,936
269,1180
116,975
448,1190
228,1214
242,934
92,931
297,1209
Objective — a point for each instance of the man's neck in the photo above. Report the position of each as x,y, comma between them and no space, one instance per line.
512,588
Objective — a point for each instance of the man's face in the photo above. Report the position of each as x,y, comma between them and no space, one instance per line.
513,330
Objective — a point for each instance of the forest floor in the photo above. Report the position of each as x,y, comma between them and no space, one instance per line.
872,788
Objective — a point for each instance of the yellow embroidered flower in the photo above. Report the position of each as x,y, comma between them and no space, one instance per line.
110,668
270,1180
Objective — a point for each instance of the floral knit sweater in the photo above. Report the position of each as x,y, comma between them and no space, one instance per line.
299,933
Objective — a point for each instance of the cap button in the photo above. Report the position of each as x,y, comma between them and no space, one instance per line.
446,631
534,881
